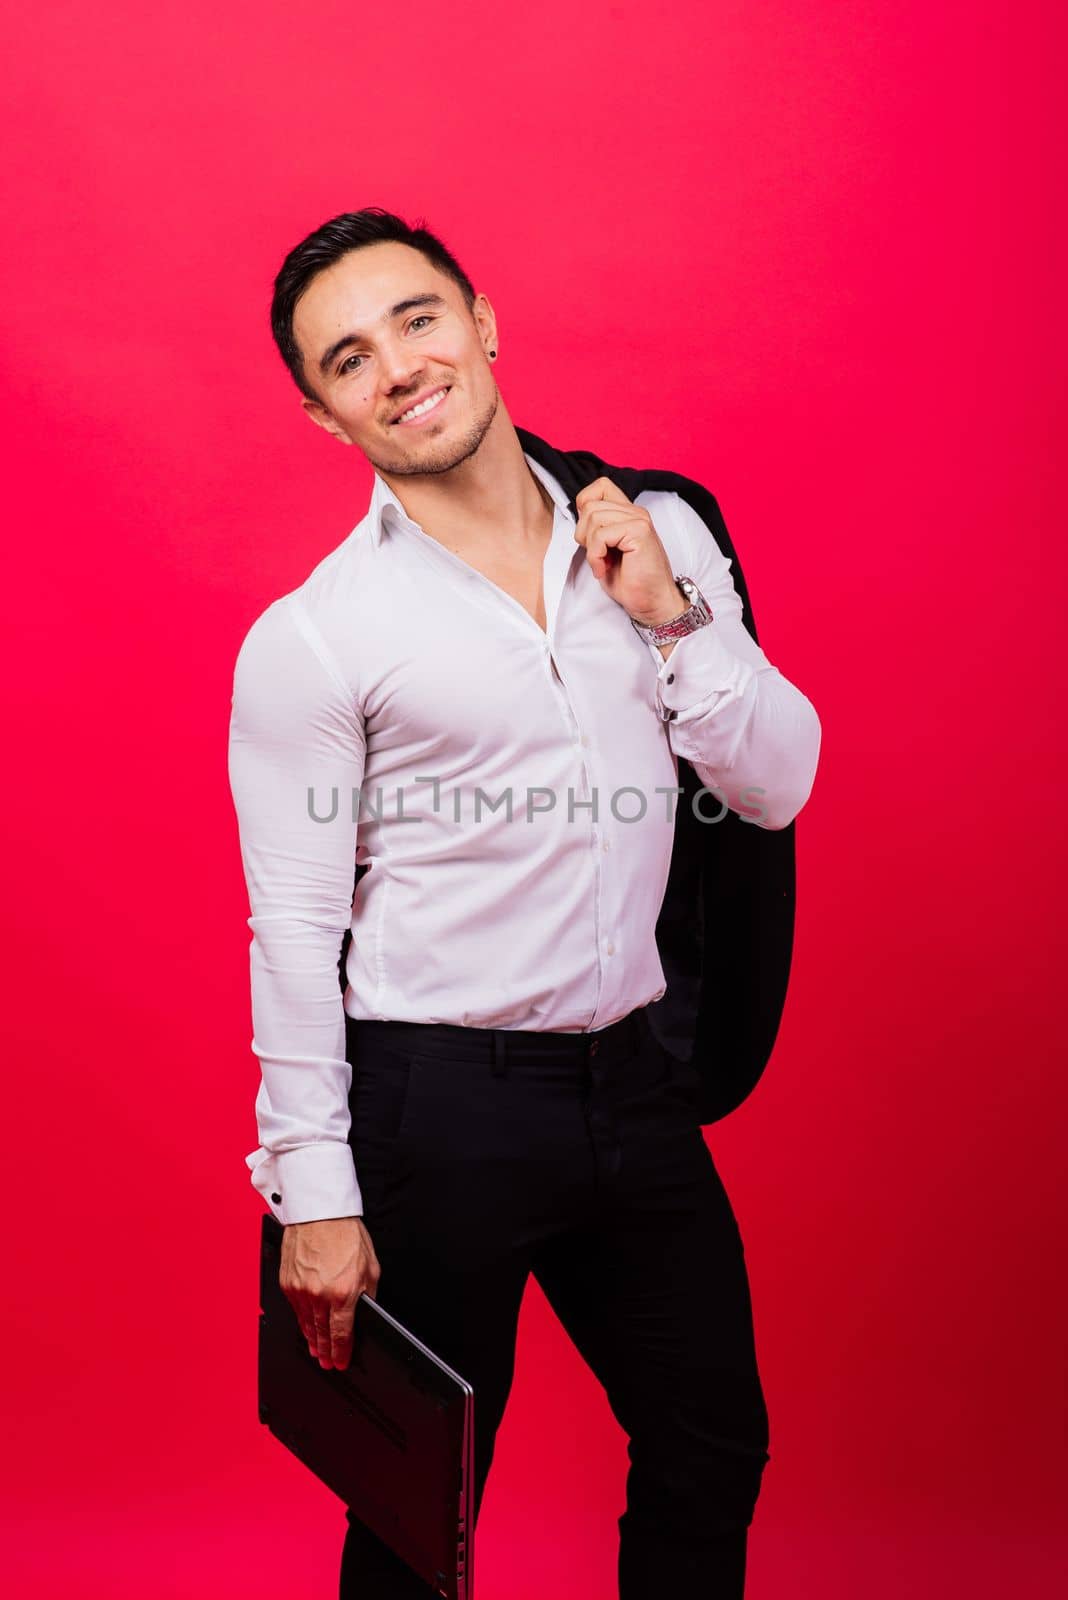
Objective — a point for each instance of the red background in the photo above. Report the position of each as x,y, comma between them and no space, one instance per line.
809,254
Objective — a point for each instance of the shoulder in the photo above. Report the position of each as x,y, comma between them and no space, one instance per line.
691,522
285,668
271,628
305,620
274,642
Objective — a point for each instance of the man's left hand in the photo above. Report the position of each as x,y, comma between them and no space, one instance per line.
625,552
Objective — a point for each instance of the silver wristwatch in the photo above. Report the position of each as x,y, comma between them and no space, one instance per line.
696,615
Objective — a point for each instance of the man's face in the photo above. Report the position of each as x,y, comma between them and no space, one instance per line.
370,357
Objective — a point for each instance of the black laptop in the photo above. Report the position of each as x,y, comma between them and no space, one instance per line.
392,1434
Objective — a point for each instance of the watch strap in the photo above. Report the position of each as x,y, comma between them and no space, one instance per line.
696,615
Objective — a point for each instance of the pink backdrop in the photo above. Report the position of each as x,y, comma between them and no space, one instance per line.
813,256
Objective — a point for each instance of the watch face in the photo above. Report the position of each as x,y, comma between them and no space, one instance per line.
698,600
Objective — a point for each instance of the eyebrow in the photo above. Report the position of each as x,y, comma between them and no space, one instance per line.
329,356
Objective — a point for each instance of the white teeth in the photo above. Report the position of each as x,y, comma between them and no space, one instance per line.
426,405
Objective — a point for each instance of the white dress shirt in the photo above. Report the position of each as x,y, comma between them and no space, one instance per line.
399,685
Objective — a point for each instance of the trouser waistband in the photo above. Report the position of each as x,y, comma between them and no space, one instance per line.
497,1046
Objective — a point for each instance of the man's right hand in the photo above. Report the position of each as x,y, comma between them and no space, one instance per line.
326,1266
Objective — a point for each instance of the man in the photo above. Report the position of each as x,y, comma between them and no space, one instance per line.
459,702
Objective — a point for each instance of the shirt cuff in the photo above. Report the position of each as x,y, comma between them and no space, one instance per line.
699,667
309,1183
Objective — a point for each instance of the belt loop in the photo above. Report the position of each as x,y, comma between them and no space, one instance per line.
499,1047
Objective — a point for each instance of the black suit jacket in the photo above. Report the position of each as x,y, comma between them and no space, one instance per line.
726,926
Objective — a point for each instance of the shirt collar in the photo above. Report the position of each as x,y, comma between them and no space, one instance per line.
385,508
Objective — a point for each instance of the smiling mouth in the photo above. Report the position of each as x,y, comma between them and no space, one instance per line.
425,409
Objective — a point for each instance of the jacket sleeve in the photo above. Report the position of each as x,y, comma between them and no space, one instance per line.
750,735
296,752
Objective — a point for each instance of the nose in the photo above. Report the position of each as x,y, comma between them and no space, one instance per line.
400,367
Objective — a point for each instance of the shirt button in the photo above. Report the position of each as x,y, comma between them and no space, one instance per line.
277,1198
671,677
607,844
610,947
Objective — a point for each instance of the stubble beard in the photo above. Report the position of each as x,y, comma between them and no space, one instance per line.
443,456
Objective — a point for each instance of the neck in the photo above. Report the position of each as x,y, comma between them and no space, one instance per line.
491,497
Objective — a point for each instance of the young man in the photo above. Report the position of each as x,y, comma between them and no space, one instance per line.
460,701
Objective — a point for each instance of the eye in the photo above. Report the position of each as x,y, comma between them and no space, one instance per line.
345,367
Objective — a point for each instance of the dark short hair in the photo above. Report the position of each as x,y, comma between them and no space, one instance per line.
334,239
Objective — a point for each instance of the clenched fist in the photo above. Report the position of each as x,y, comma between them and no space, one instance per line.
624,550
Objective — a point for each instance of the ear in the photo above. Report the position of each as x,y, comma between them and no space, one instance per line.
485,320
323,419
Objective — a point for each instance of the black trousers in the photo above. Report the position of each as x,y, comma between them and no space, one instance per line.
487,1154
